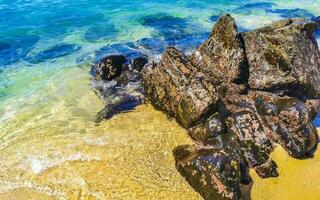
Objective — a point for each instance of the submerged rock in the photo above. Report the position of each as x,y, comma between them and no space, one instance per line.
118,84
109,68
284,58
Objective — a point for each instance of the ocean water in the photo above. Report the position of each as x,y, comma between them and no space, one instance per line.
49,145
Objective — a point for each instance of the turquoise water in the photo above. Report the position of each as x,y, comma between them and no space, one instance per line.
40,39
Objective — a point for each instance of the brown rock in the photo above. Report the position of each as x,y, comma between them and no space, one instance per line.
209,171
208,131
289,120
171,86
284,58
222,56
313,106
267,169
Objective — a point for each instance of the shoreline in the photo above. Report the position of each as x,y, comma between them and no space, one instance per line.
298,179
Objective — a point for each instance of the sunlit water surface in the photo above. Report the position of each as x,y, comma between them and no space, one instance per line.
50,148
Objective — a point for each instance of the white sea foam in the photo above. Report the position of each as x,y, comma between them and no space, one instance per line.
38,164
94,140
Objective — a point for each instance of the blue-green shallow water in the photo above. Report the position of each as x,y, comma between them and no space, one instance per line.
40,39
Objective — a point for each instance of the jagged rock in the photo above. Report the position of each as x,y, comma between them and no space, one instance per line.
284,58
108,68
139,63
210,172
171,86
289,120
222,56
254,142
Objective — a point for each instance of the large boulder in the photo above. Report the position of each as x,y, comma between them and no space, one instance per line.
211,172
284,58
222,56
289,120
172,86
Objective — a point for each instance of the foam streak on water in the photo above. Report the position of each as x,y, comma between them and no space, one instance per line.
49,146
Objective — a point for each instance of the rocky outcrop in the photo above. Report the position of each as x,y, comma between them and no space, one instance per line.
284,58
238,95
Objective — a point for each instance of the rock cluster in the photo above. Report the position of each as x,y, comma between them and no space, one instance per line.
237,95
